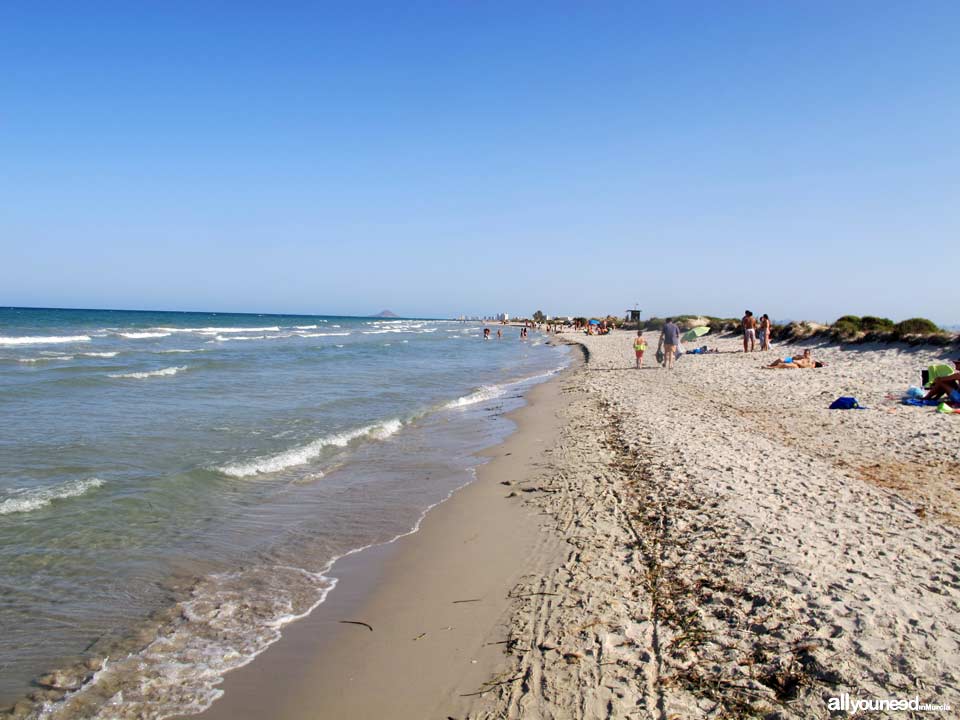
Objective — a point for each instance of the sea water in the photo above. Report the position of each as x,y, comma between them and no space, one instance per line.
174,487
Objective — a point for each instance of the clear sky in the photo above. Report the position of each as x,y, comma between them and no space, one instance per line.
795,158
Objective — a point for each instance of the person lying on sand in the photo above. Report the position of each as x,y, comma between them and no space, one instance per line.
804,361
946,385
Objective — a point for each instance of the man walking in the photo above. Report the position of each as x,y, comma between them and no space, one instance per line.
669,339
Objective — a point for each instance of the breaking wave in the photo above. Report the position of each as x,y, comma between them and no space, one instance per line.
43,339
305,453
34,499
150,373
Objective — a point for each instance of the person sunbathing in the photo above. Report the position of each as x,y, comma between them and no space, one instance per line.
946,386
804,361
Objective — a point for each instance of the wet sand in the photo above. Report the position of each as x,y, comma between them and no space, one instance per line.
437,601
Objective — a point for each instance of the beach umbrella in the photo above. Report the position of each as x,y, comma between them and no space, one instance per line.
691,335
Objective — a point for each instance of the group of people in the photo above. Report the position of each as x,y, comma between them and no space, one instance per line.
753,329
669,340
486,333
668,345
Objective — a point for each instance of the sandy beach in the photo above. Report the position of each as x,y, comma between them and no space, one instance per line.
708,542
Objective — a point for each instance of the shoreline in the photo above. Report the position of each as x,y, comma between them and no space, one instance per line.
697,553
436,599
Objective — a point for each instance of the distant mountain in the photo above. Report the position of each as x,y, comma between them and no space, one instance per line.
385,313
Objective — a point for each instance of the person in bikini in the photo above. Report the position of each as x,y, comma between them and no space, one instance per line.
764,332
802,362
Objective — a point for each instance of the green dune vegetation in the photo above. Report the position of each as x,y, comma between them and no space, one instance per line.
847,329
869,328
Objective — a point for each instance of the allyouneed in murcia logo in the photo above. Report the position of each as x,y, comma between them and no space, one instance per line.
845,703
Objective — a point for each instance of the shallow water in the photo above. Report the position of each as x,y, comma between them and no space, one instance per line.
173,486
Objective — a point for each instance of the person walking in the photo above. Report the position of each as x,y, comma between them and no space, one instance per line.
669,339
639,345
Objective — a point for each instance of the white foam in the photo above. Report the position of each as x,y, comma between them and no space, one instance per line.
36,498
177,350
152,373
487,392
143,335
43,339
218,330
221,338
332,334
99,354
46,358
305,453
305,327
491,392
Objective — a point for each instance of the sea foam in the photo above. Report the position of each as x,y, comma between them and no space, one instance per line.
43,339
36,498
149,374
305,453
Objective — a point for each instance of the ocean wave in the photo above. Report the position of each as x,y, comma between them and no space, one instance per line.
305,327
491,392
305,453
46,358
178,350
43,339
221,338
143,335
100,354
227,620
149,374
329,334
218,330
36,498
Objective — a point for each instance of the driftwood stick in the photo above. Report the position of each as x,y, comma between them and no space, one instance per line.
357,622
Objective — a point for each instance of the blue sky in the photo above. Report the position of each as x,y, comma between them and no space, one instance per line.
796,158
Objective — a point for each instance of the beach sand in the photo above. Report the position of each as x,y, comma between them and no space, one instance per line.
710,542
736,549
437,601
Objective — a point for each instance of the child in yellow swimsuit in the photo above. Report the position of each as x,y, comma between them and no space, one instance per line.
639,345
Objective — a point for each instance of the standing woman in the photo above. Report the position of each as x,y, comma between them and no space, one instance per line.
765,332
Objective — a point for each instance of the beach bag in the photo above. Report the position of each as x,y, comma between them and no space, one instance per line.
660,356
846,403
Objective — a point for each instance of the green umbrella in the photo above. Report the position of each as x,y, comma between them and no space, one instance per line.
691,335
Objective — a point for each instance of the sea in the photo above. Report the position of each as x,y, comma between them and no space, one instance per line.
176,486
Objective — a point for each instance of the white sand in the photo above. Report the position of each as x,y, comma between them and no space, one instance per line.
737,549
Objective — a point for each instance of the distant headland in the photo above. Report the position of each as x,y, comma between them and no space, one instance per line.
386,313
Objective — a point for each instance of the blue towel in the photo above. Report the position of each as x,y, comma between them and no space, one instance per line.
846,403
917,402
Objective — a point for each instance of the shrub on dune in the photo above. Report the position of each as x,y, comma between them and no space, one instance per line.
916,326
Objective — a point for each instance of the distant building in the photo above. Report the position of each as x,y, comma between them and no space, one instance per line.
503,317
